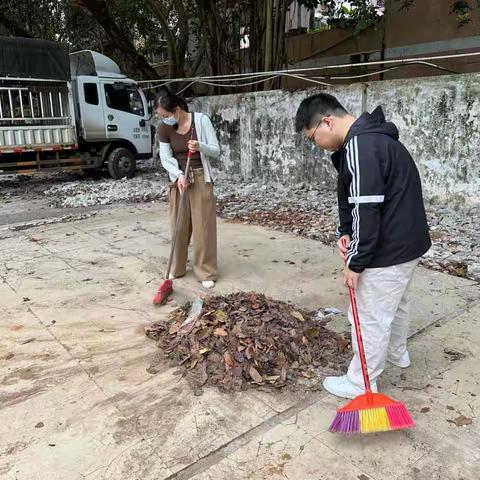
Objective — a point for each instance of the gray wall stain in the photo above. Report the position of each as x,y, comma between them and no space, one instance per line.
438,120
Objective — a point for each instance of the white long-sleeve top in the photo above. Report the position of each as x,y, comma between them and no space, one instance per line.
209,149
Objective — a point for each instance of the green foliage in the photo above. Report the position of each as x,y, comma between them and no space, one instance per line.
360,14
463,11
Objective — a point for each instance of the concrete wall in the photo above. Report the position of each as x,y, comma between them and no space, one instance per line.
438,119
258,139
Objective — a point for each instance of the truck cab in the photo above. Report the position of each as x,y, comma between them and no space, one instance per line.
112,113
68,112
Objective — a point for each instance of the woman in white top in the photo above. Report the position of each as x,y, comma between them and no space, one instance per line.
180,132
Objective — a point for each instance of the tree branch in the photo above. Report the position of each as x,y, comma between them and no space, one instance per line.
13,27
98,9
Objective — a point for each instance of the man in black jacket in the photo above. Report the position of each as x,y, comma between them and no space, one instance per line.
382,219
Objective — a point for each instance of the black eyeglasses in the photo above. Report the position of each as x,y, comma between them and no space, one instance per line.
312,136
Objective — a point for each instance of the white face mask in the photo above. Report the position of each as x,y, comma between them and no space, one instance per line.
171,121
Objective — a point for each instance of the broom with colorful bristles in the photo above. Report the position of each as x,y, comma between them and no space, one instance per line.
370,412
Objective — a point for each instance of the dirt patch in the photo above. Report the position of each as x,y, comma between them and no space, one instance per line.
246,340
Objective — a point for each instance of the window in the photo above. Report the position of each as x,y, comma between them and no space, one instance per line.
91,93
125,98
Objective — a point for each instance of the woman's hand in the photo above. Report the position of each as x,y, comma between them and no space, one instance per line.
181,182
193,145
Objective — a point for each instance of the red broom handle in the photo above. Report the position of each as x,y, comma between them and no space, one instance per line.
358,331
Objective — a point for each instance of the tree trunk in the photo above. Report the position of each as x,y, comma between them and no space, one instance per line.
269,35
162,16
182,39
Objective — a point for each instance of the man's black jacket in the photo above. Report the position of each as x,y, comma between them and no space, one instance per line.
379,196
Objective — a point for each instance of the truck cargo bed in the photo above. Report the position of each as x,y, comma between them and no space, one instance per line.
36,116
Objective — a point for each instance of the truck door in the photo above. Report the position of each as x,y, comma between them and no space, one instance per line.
126,114
90,107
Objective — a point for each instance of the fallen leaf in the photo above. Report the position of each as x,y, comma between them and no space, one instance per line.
312,332
256,377
298,316
228,360
461,421
204,333
204,350
39,425
250,352
425,410
221,316
194,363
449,407
271,378
9,356
174,328
220,332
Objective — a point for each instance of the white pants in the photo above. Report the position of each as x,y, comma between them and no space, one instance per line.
384,311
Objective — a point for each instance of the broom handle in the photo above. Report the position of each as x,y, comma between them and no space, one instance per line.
179,213
358,331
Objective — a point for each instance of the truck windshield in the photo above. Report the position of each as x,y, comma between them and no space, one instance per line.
124,97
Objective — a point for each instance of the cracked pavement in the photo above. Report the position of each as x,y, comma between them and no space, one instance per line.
76,401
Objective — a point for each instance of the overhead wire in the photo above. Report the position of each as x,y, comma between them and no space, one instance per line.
300,73
310,69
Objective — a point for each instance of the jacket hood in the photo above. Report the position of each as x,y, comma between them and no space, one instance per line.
368,123
372,123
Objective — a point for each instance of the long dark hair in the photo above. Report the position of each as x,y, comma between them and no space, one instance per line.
169,101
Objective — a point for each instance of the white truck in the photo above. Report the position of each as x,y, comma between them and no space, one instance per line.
68,112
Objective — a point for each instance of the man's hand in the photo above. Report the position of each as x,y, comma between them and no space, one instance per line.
342,250
350,278
193,145
182,184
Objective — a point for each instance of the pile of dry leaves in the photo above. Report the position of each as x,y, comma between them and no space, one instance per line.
246,339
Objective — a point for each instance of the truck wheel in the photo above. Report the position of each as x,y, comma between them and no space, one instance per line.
121,163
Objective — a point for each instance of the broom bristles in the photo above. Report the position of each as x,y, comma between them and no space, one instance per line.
164,290
365,414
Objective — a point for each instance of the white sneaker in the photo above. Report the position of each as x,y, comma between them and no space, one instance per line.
208,284
171,276
343,387
402,362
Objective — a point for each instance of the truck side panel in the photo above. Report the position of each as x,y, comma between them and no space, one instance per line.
36,116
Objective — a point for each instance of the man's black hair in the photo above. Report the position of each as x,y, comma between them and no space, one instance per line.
314,108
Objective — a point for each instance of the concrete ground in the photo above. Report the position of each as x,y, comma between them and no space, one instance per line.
76,401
